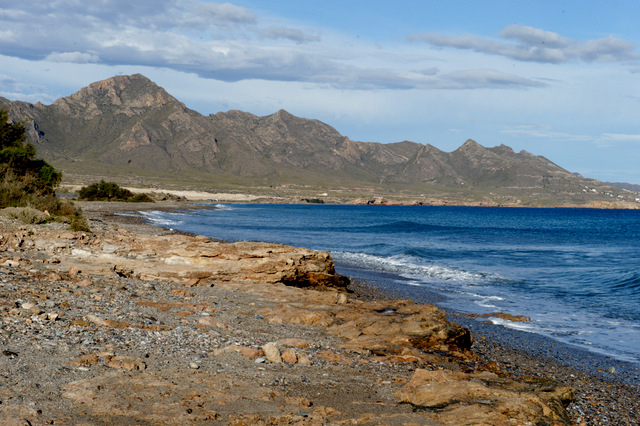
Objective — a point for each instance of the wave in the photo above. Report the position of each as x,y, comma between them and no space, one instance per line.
163,219
629,281
223,207
409,267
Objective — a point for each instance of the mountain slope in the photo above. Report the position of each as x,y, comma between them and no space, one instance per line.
127,125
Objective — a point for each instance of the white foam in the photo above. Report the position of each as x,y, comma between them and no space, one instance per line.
159,218
522,326
223,207
409,267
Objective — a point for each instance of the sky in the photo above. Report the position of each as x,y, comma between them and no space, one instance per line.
556,78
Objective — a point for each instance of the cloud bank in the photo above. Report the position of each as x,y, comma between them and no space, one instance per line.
524,43
230,43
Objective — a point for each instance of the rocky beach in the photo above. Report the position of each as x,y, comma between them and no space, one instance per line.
134,324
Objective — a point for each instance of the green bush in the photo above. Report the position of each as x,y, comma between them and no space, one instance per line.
29,182
18,162
110,191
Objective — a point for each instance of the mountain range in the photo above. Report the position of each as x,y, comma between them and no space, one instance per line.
127,128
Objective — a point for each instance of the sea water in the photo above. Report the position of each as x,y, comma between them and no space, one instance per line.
574,272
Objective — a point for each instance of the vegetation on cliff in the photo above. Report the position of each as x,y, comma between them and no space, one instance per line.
28,183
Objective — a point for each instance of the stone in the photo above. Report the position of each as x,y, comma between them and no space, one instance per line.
483,398
125,363
272,352
192,282
211,322
36,310
294,342
303,359
289,356
248,352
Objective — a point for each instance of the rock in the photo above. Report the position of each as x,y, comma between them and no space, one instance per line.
36,310
330,356
303,359
125,362
194,366
211,322
484,397
294,342
289,356
248,352
192,282
272,352
27,305
505,316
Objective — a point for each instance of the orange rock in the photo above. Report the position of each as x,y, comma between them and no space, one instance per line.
331,356
295,343
125,363
192,282
289,356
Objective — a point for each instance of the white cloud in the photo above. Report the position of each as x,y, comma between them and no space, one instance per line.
536,132
536,45
535,36
225,42
485,78
620,137
74,57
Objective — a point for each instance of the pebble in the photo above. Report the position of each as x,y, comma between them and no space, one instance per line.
194,366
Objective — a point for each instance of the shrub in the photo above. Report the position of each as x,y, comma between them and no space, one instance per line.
29,182
26,215
110,191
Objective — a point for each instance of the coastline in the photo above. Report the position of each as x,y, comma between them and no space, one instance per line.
599,399
527,354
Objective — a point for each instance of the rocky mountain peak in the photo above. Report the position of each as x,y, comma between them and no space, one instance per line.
127,94
470,145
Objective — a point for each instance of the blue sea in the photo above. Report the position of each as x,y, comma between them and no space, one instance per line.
574,272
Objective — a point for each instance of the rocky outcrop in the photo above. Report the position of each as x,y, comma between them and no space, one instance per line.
484,398
191,260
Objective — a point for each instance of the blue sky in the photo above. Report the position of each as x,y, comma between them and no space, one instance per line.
555,78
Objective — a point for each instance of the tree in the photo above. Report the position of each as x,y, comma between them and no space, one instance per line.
21,173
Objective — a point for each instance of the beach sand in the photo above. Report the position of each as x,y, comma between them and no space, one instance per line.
83,346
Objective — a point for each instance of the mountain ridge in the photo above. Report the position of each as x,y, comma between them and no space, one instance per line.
129,126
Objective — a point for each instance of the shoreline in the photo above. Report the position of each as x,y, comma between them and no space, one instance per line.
528,354
129,317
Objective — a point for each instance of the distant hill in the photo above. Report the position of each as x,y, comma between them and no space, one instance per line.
628,186
130,128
